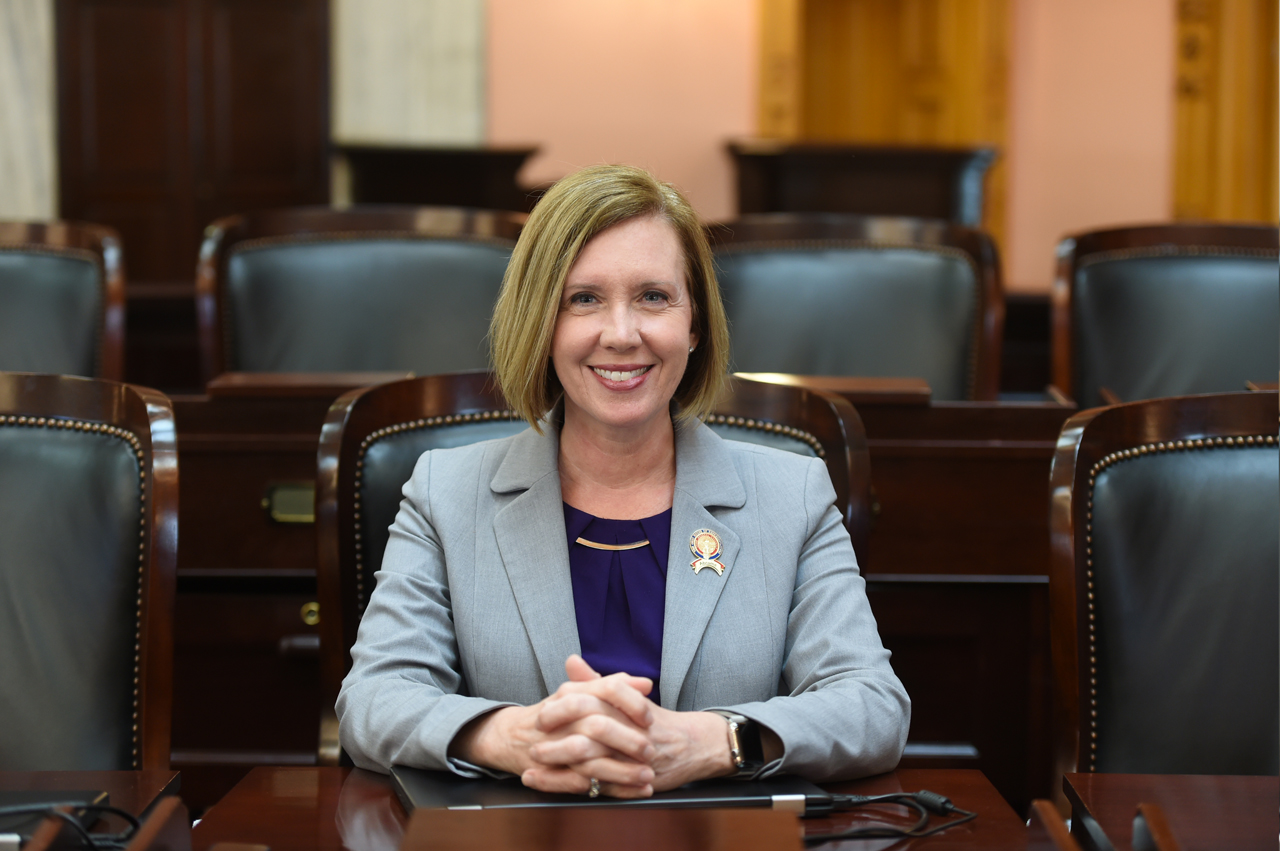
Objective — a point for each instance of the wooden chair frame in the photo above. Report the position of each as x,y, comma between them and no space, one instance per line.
831,426
293,225
803,230
1091,441
144,419
1169,240
102,246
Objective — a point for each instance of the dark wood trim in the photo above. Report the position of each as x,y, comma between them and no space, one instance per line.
104,244
320,224
1074,251
1087,438
148,416
816,228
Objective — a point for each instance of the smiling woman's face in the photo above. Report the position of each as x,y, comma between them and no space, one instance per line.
624,329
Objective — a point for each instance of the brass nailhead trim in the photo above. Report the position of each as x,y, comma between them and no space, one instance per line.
772,428
380,434
132,439
1232,442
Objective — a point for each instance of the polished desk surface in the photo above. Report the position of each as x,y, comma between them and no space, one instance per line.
1205,812
325,809
131,791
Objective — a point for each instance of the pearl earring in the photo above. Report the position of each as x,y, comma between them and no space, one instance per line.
691,348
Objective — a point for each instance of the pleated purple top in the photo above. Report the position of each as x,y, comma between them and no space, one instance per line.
619,596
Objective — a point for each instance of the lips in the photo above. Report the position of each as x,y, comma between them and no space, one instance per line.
621,375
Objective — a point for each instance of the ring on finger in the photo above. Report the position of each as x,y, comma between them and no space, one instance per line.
594,790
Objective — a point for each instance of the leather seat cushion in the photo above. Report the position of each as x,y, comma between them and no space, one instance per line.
1185,558
1174,326
852,311
69,519
50,313
368,305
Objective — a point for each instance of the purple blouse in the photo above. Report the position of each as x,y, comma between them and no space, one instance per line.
619,596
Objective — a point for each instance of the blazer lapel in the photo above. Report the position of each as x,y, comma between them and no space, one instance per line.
705,477
531,541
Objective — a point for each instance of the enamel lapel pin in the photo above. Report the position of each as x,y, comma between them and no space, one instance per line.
706,546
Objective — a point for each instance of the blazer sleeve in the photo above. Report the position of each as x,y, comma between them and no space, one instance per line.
844,713
401,703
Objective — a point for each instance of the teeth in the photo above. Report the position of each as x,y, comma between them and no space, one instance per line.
614,375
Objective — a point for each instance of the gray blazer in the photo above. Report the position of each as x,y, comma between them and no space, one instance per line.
473,608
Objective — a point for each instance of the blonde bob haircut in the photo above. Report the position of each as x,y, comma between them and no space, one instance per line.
574,210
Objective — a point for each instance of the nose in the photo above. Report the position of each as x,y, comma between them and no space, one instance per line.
621,329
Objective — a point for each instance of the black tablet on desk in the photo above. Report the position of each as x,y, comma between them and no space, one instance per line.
419,788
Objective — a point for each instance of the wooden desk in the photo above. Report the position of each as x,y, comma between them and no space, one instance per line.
330,808
131,791
1205,812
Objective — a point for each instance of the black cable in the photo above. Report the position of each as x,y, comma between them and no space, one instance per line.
102,841
923,803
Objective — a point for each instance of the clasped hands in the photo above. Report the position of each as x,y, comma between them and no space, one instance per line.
598,727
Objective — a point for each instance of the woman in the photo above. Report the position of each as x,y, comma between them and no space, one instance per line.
618,601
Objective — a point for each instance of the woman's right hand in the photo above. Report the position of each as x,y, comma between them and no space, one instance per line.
587,729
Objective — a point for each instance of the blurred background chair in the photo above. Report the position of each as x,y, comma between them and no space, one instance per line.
373,437
366,289
1163,587
61,299
1165,310
832,294
88,521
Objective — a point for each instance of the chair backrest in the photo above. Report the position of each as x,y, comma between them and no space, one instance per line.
1165,530
374,288
61,299
1166,310
831,294
88,521
372,438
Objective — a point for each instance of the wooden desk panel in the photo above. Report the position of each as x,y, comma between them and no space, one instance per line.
1205,812
131,791
305,809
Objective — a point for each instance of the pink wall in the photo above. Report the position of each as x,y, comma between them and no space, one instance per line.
1091,124
656,84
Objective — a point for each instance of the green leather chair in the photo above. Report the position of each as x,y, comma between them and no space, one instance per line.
1165,528
1166,310
366,289
89,527
833,294
61,299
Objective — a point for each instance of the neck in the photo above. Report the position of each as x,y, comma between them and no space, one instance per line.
619,476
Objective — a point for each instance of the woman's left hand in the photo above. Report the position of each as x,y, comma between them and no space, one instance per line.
688,746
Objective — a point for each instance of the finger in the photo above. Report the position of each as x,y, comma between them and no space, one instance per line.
578,671
573,749
565,781
617,691
606,727
615,771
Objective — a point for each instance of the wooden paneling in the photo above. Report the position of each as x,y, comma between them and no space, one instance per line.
893,72
1225,157
174,112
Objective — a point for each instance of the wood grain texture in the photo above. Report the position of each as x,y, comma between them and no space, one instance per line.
1227,114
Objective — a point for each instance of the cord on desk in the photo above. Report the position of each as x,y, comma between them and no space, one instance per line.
923,803
99,841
